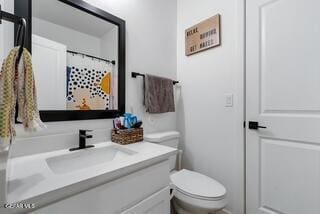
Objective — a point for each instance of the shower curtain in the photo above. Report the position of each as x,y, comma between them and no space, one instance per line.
90,83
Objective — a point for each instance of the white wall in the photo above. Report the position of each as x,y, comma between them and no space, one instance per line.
151,48
109,44
74,40
212,133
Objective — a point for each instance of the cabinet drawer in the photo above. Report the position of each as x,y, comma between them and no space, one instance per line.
158,203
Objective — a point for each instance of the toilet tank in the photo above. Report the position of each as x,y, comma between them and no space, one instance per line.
170,139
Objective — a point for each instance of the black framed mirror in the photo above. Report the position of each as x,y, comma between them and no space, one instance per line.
78,57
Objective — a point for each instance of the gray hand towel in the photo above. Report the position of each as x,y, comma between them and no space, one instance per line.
158,93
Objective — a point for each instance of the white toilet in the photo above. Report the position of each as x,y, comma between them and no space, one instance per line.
194,193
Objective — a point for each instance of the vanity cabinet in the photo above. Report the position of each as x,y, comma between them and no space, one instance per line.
145,190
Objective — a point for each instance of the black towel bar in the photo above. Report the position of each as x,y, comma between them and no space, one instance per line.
135,74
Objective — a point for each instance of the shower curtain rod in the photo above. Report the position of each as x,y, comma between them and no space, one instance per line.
94,57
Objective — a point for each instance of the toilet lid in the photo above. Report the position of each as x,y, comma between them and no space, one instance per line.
197,185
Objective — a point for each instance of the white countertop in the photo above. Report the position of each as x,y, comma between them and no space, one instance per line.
31,180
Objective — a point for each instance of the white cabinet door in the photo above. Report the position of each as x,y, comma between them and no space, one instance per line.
50,67
283,94
158,203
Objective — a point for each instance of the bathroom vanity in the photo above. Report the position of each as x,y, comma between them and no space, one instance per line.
108,178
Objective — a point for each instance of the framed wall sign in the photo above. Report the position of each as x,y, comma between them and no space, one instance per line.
203,36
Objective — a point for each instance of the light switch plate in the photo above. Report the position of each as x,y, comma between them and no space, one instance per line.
228,100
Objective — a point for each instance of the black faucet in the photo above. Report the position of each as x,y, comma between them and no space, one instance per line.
82,140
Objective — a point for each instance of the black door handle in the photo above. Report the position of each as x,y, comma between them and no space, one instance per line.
255,125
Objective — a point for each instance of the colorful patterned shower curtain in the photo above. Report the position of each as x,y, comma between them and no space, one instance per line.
89,83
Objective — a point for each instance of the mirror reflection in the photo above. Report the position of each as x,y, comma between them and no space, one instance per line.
75,57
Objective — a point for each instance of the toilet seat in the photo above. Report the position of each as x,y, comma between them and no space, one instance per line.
197,186
189,203
197,193
199,197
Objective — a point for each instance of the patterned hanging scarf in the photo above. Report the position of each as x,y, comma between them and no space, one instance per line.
17,85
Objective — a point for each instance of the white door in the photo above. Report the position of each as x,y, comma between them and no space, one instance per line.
50,67
283,94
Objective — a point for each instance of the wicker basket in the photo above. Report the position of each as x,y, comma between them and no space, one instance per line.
127,136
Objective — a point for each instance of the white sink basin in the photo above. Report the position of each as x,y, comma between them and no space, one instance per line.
85,158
